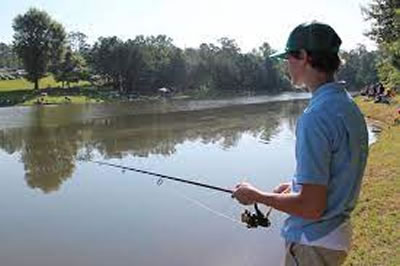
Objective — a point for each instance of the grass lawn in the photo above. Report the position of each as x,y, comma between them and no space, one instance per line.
376,219
23,84
61,100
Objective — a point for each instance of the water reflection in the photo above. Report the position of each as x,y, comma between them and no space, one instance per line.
49,149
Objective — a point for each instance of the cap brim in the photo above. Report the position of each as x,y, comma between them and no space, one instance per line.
279,55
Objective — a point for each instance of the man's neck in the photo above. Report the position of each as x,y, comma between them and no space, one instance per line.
318,79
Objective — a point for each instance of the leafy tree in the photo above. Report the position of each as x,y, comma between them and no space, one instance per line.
226,72
117,61
38,42
175,73
389,65
383,16
72,69
77,41
8,58
157,53
385,30
102,58
359,67
145,64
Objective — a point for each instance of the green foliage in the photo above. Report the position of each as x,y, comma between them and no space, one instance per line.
8,58
38,42
117,62
145,64
388,74
383,16
72,69
359,67
77,42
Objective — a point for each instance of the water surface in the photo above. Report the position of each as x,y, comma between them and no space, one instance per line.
60,210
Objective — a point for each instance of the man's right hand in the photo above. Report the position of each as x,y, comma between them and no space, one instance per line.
282,188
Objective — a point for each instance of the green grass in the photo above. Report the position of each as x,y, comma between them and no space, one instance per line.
376,219
61,100
23,84
13,85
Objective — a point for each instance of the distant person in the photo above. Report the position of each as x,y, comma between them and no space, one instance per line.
380,89
364,91
371,91
331,154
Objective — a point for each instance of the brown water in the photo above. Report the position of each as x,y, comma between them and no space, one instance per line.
59,210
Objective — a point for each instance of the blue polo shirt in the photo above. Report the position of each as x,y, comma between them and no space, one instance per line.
331,150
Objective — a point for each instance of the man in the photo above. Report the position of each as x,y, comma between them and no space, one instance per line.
331,153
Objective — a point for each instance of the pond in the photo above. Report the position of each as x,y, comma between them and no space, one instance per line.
59,208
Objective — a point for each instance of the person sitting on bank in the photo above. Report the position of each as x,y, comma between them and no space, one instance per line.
331,154
371,91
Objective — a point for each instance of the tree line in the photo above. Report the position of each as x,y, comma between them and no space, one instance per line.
384,16
144,64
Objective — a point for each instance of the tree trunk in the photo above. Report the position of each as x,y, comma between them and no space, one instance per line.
36,83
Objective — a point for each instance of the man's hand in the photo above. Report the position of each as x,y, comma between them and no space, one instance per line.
282,188
246,193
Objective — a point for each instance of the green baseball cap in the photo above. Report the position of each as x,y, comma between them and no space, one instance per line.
312,37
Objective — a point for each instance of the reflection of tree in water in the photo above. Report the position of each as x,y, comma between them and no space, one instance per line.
49,158
49,152
11,142
290,111
143,135
295,109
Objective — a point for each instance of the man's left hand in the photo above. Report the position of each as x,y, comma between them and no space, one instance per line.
246,193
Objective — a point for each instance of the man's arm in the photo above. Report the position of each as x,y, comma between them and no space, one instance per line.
308,203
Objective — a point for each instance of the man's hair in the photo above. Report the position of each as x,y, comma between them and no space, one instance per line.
326,62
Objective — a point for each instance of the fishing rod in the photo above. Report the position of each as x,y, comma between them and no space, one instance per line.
251,219
178,179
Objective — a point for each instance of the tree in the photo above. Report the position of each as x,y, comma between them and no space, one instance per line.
118,62
71,69
38,42
78,42
359,67
385,30
389,65
7,57
385,24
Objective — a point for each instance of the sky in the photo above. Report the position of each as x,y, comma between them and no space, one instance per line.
190,23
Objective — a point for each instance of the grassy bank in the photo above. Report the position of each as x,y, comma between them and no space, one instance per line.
52,96
20,92
23,84
376,220
46,100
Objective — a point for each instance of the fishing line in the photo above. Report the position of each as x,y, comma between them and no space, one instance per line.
207,208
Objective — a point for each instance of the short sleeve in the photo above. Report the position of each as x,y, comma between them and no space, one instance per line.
313,150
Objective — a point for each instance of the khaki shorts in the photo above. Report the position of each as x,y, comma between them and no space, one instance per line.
302,255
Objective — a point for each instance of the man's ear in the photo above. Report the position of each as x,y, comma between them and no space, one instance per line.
304,56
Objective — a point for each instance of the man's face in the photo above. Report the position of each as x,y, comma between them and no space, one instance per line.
296,67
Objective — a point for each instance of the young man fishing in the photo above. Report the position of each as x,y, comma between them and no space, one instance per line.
331,154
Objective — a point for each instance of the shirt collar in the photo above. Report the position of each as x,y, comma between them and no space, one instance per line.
326,88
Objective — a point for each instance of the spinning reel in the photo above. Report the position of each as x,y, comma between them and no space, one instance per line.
253,220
